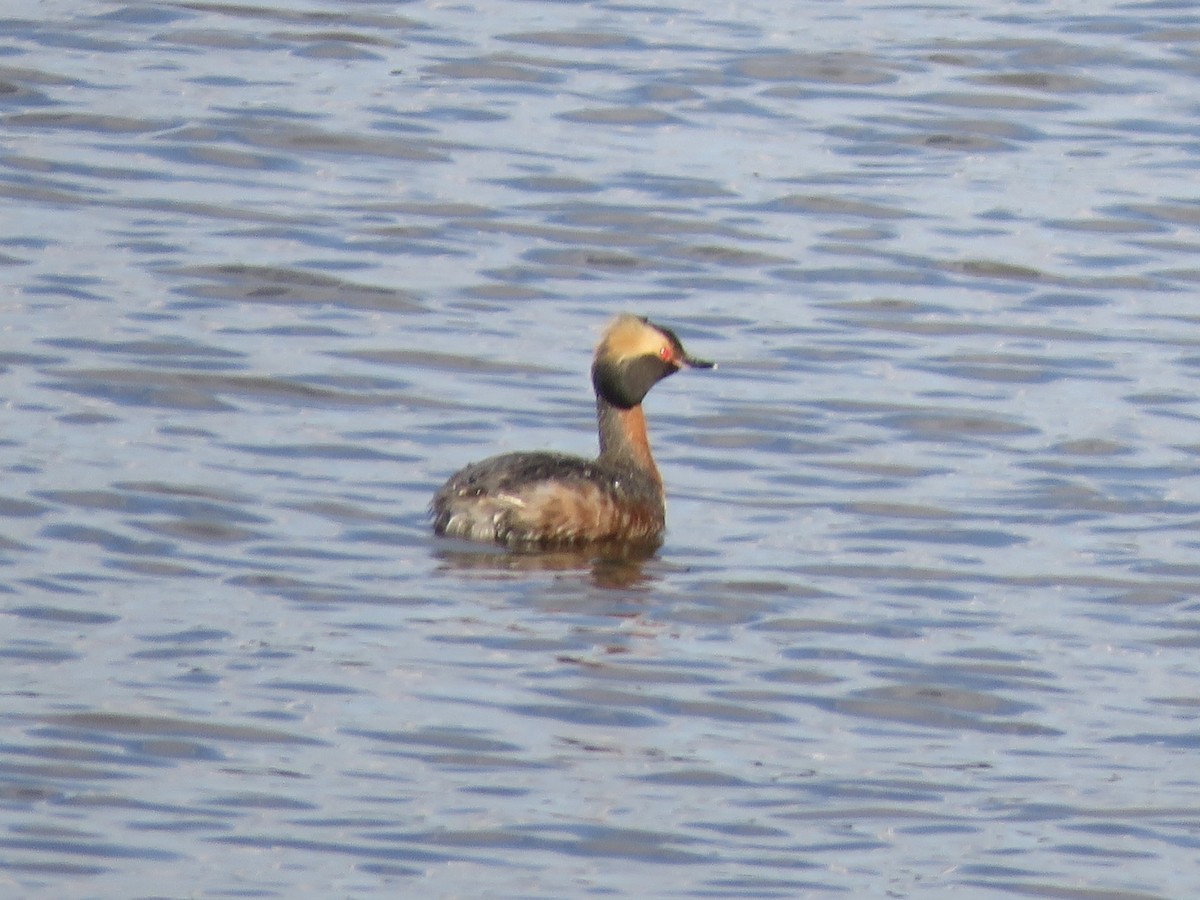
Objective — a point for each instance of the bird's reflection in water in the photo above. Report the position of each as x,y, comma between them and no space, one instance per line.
616,566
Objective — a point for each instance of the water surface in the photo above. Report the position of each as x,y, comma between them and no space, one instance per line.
926,618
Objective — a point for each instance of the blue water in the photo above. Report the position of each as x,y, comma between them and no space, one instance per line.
926,617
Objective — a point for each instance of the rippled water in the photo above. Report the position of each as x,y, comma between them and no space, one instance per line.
926,621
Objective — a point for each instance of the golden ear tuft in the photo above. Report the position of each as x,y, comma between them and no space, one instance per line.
628,336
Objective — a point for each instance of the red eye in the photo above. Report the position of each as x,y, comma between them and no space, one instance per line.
665,354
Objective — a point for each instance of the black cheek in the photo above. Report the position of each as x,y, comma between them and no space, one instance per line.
610,384
625,384
647,371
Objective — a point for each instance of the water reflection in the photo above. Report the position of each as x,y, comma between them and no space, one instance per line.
617,566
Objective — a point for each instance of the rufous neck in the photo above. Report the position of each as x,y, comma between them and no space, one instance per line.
623,437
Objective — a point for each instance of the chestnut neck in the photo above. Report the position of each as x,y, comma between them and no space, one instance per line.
623,439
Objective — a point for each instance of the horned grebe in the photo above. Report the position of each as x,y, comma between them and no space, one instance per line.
540,499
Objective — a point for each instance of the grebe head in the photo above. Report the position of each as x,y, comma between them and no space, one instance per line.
633,355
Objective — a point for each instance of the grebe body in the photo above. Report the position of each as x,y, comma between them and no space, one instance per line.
548,500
